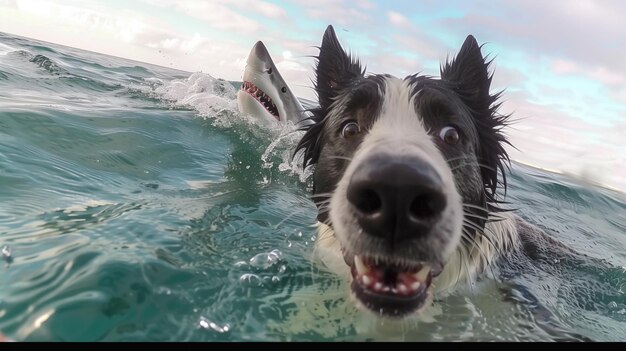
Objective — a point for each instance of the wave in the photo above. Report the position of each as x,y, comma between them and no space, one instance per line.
5,49
47,64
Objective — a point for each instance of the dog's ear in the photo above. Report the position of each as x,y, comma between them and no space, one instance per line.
335,69
469,76
469,73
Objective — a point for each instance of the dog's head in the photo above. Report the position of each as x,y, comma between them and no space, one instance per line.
405,169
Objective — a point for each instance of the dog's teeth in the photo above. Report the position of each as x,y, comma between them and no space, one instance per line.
378,286
394,291
366,280
415,286
361,268
422,274
402,288
386,289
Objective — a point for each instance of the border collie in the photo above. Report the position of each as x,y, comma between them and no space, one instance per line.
406,177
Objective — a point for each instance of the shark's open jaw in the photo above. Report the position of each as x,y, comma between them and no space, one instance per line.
390,288
260,96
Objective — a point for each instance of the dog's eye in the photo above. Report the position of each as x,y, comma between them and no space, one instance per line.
449,135
283,89
269,71
350,129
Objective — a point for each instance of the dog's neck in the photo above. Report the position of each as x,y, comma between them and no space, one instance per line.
469,260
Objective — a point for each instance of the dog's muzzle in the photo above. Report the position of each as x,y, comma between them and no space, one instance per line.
396,245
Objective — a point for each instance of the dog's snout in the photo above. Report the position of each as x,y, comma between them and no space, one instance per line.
396,198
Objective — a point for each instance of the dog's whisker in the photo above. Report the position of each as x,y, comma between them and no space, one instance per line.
326,195
485,233
468,214
456,158
476,207
349,159
323,204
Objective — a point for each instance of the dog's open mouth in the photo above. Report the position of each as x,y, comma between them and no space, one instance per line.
260,96
390,288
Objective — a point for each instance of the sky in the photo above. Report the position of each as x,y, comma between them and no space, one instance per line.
562,63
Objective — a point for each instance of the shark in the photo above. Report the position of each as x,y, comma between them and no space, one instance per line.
264,94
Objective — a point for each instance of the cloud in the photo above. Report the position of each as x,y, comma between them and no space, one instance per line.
174,42
340,12
393,64
589,33
8,3
227,15
556,140
261,7
598,73
398,20
216,14
366,5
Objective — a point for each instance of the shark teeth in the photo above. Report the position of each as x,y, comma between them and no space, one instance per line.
260,96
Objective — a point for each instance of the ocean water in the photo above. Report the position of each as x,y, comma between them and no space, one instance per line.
137,204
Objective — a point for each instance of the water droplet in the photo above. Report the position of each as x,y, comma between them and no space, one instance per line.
282,269
299,234
289,244
241,264
166,291
207,324
6,252
275,279
248,167
266,260
612,304
251,279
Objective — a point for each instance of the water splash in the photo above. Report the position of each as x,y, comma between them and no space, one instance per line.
210,96
282,148
215,99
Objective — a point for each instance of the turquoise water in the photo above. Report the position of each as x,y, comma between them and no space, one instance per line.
137,204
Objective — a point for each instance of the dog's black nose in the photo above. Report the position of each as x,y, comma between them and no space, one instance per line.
396,198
